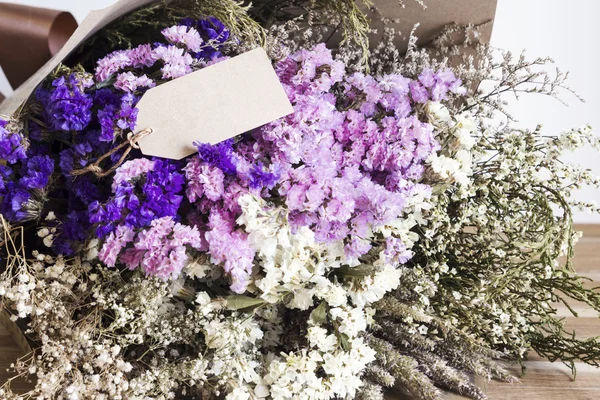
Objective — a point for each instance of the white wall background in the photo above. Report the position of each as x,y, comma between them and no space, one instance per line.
565,31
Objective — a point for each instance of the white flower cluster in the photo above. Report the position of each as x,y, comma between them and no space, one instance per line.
455,162
298,375
295,270
295,265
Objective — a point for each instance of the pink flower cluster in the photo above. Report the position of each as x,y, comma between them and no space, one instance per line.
204,181
360,150
130,170
177,62
114,243
230,247
183,35
129,83
176,58
161,250
217,194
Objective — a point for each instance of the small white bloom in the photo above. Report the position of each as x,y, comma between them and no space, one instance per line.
202,298
48,241
43,232
318,337
438,112
465,138
239,393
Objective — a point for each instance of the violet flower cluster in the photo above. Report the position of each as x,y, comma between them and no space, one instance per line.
24,178
85,116
344,164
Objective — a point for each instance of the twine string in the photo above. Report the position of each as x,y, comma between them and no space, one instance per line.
130,144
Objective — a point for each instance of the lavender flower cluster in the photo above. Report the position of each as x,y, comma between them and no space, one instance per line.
343,164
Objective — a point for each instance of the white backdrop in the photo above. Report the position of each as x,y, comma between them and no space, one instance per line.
566,31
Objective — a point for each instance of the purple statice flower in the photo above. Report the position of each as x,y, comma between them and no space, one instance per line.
259,177
6,173
131,170
183,35
127,115
435,85
203,181
141,56
427,78
214,33
349,163
316,70
128,82
72,232
118,113
189,22
177,62
231,248
24,182
365,86
114,244
213,29
75,157
220,155
12,144
36,172
22,189
418,92
15,203
106,97
137,201
84,149
114,62
396,90
162,190
68,107
161,250
396,251
357,247
84,189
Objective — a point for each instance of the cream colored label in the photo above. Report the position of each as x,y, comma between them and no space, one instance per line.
211,105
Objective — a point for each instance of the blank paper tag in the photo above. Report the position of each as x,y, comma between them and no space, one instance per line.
211,105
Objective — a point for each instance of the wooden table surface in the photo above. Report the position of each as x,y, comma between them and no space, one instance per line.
543,381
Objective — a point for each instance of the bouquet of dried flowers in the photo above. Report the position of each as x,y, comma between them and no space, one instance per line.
391,232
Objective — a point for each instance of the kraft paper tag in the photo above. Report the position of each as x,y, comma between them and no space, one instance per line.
211,105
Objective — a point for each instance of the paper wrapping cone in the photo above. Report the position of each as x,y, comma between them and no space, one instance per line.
438,14
29,37
95,21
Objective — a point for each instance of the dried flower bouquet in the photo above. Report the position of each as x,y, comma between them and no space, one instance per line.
393,232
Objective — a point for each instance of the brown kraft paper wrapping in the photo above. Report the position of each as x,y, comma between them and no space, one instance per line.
29,37
436,15
95,21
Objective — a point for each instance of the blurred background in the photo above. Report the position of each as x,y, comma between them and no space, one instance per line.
566,31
